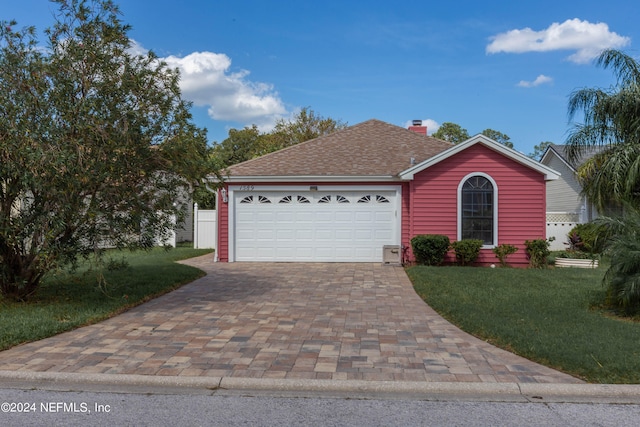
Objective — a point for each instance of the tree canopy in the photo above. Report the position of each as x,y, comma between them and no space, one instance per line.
96,144
498,137
302,127
454,133
538,150
451,132
248,143
612,123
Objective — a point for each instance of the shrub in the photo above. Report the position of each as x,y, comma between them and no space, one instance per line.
430,249
503,251
537,252
467,250
588,237
622,279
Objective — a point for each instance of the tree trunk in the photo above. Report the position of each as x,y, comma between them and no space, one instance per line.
19,276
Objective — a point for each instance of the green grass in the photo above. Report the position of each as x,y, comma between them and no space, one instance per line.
68,300
551,316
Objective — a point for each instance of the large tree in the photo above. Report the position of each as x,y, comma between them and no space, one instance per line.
96,144
611,123
451,132
538,150
248,143
305,125
241,145
497,136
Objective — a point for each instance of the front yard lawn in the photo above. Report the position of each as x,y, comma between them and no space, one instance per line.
66,301
552,317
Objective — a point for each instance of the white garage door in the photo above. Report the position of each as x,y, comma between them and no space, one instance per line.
314,226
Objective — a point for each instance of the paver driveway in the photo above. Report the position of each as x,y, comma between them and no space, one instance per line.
280,320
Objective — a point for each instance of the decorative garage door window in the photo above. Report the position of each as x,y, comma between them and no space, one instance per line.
253,199
378,199
329,198
293,199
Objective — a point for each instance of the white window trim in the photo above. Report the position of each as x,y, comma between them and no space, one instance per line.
248,189
495,207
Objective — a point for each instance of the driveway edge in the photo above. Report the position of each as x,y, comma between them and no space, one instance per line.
445,391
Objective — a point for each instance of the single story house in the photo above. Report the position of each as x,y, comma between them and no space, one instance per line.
350,195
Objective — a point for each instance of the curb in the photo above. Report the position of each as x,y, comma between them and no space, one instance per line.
512,392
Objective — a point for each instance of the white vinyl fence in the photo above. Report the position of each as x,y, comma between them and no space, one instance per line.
205,229
559,224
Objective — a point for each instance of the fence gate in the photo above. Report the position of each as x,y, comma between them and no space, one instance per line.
205,228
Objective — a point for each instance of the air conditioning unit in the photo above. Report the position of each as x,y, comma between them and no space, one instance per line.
391,255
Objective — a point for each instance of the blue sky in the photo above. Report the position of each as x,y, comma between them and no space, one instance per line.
505,65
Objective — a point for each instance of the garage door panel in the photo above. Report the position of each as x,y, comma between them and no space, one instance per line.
384,216
326,217
304,235
265,217
285,217
366,235
304,229
305,216
265,235
324,235
285,234
344,234
383,235
341,217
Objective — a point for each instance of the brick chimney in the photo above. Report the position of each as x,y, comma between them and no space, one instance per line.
416,126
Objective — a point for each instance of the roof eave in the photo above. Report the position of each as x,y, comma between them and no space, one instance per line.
308,178
551,150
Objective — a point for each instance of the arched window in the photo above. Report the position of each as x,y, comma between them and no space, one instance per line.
477,209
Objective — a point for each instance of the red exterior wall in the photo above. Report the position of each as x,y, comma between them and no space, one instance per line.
521,197
223,228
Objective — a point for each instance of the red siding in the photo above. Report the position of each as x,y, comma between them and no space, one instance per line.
521,199
223,228
405,232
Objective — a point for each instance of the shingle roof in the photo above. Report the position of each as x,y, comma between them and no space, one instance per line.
585,154
371,148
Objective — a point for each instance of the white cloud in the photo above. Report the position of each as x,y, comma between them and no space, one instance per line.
541,79
206,80
584,37
432,125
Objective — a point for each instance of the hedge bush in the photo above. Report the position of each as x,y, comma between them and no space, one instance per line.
503,251
588,237
467,250
430,249
537,251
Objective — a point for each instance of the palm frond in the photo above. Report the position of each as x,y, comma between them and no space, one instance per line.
626,69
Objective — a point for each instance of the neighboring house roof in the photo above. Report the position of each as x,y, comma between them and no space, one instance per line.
373,149
561,152
548,173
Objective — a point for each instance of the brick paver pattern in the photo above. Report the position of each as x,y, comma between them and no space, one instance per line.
344,321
